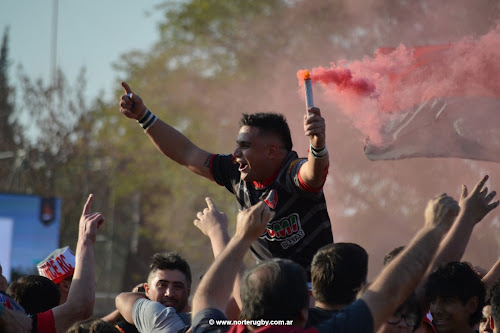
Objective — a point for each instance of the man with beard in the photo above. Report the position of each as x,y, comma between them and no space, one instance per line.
164,305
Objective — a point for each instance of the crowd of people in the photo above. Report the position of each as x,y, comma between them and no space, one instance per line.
302,281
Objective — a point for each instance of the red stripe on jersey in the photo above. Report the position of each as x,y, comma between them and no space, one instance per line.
306,187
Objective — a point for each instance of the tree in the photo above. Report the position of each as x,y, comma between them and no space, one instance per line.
10,143
217,59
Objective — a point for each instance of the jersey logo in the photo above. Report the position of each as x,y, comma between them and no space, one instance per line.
272,199
288,231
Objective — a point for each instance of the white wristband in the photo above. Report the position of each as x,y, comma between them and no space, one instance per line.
318,152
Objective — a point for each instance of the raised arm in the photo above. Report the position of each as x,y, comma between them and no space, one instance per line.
400,276
212,291
473,208
167,139
314,171
214,224
80,303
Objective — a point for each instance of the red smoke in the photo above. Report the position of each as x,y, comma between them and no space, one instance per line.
373,90
343,80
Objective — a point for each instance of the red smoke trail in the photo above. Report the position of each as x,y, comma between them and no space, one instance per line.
372,92
343,80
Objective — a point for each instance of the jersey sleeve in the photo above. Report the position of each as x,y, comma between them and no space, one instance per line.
45,322
294,176
224,169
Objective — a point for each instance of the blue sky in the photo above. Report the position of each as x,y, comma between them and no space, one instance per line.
91,33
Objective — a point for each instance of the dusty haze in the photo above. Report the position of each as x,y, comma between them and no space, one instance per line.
379,204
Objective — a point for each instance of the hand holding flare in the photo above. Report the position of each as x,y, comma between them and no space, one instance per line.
304,75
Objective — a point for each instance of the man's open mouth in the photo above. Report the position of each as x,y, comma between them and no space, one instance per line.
243,167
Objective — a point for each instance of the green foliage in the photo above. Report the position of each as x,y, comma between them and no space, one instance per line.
211,36
10,154
215,60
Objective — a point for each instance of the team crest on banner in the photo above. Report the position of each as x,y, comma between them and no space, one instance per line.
272,199
47,211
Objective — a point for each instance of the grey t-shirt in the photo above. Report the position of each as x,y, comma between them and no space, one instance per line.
154,317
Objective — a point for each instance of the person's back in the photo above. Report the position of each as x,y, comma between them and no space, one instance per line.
338,273
275,290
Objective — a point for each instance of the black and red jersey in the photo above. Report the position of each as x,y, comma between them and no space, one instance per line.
301,224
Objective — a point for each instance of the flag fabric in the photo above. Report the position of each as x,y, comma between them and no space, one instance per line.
462,127
460,117
425,101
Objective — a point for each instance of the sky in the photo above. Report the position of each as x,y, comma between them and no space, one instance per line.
91,34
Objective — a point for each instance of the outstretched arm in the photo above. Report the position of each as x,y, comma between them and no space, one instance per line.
314,171
212,291
400,276
80,303
167,139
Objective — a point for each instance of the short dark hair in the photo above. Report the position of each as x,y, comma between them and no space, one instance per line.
338,271
494,298
269,123
391,255
275,289
35,293
169,260
457,279
92,325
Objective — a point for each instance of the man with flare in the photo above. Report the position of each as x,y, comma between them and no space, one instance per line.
263,167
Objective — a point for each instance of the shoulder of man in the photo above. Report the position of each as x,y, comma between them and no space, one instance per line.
154,317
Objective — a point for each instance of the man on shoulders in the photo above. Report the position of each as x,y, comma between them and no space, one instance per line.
263,167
